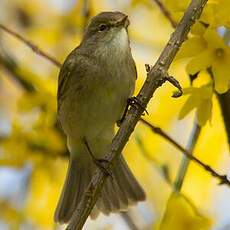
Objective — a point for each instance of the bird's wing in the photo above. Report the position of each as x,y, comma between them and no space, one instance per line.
73,65
63,78
77,65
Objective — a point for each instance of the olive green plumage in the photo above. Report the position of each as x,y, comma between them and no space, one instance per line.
94,84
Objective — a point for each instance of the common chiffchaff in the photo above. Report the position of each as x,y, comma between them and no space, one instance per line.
94,84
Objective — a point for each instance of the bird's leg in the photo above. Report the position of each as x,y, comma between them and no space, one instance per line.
132,101
101,163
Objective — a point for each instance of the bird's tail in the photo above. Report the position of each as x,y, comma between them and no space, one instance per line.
119,191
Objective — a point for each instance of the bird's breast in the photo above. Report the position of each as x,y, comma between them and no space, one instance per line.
97,101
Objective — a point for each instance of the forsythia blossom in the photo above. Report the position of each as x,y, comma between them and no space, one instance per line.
181,214
201,99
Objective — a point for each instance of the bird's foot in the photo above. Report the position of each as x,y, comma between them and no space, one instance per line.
104,166
101,163
132,101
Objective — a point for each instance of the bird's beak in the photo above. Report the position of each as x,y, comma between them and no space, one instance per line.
124,21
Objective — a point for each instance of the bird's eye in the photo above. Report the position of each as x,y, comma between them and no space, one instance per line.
103,27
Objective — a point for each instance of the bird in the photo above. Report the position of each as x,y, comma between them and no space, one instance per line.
94,84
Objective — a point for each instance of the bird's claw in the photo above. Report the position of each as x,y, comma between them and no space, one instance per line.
101,163
104,166
134,101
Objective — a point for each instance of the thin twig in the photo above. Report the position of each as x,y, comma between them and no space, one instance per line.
86,14
185,161
128,220
184,165
9,63
224,101
11,66
31,45
166,13
222,178
153,81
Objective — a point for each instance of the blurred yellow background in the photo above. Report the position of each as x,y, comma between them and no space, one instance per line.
33,156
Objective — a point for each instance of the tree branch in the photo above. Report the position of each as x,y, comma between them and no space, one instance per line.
128,220
153,81
224,100
9,63
222,178
31,45
86,14
184,164
185,161
166,13
11,66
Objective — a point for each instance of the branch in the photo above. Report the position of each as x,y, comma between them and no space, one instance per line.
224,100
184,164
31,45
153,81
166,13
11,66
86,14
185,161
128,220
222,178
9,63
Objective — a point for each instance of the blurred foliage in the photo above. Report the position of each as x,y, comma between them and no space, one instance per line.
30,134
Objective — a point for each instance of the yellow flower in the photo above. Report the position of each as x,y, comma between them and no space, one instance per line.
176,8
181,214
201,99
217,13
209,50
